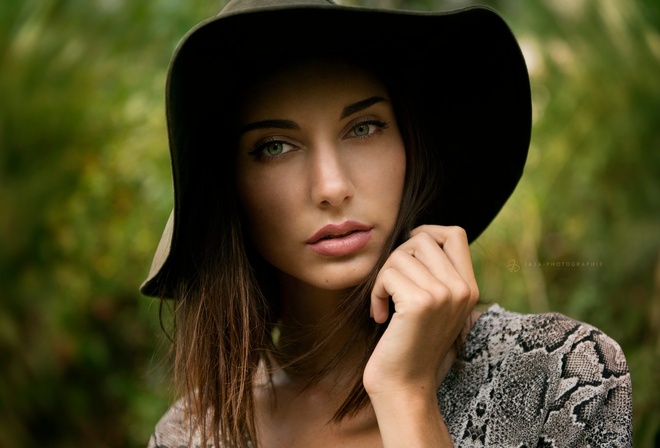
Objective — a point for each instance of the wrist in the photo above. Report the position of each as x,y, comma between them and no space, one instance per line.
410,418
419,397
396,389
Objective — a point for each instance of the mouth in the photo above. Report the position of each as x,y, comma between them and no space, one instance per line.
332,231
336,240
329,237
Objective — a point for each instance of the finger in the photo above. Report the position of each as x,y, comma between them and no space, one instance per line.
391,282
424,247
454,243
440,286
428,293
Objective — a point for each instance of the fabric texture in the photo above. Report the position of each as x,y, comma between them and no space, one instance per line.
522,380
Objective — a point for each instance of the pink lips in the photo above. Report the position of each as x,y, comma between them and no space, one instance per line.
336,240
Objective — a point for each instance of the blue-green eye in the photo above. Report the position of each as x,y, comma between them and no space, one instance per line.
367,128
361,129
273,148
270,149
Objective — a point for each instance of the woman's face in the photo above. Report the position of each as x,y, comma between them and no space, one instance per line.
320,172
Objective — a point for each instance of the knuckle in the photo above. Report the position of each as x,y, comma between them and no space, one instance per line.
398,257
424,238
458,232
435,295
426,299
420,228
463,292
386,272
440,291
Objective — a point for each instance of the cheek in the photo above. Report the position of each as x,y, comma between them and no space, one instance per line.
398,170
387,176
268,207
391,184
393,188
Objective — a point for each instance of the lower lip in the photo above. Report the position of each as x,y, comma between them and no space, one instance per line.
345,245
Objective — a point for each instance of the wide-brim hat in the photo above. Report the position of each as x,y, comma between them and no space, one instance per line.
464,70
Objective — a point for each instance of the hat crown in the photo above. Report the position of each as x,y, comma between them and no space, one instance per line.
235,6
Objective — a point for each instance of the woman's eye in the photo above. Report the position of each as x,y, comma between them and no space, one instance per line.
270,149
274,148
361,129
367,128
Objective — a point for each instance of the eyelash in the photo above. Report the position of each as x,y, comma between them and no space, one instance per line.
378,123
258,151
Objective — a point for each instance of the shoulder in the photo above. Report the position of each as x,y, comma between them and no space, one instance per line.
527,347
173,429
543,378
503,333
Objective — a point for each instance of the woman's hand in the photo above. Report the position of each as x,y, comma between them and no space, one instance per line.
432,284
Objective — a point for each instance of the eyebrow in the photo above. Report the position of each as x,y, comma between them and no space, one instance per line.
360,105
265,124
288,124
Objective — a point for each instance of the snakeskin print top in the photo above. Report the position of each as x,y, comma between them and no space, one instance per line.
537,380
541,380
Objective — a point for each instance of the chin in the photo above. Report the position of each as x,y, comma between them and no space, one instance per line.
340,278
328,275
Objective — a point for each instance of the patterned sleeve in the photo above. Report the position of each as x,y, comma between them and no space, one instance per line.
592,405
537,380
172,430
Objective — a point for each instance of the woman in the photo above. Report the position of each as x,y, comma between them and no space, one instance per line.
331,166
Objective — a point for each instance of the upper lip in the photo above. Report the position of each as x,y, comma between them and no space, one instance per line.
336,230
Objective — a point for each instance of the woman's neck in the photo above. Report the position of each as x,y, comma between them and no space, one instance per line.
309,333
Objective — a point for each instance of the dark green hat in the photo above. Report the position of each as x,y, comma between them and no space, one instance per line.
464,71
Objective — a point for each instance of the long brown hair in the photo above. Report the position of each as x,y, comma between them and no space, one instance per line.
224,313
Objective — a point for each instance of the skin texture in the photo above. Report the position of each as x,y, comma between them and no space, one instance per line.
305,161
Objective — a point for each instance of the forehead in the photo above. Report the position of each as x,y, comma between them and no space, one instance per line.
315,81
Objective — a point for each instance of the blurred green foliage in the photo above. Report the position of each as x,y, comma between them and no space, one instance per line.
85,190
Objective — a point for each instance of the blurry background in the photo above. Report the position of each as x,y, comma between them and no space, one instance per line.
85,192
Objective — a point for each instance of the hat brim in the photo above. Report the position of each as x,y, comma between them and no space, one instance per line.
465,70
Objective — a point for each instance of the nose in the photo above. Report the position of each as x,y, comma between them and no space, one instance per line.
331,183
